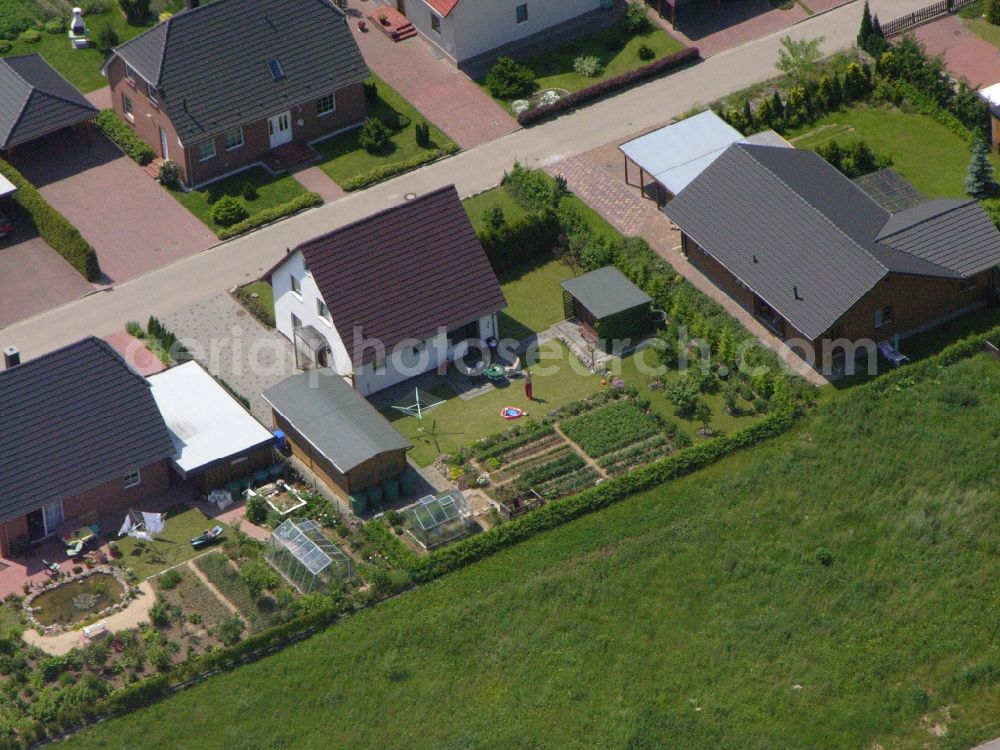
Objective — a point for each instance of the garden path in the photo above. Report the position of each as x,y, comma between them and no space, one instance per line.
211,587
581,453
136,612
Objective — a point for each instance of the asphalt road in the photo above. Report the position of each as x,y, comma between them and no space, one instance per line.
224,266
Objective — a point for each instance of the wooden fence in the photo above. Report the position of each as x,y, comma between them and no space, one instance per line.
942,7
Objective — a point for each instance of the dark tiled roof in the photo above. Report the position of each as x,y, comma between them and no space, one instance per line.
210,63
71,420
755,211
403,272
335,418
606,292
35,100
956,236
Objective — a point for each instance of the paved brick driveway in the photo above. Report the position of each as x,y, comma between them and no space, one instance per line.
34,277
232,345
736,22
964,53
447,97
134,224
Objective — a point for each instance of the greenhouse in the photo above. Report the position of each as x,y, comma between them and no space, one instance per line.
308,560
436,520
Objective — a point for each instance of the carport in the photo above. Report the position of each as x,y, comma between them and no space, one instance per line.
36,101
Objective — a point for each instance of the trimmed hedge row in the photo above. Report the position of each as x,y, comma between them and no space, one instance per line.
927,106
608,86
397,168
521,241
124,137
302,202
53,227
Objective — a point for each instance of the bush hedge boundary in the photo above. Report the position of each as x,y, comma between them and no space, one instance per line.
269,215
608,86
51,225
387,171
124,137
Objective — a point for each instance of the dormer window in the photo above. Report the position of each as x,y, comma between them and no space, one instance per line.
277,72
151,93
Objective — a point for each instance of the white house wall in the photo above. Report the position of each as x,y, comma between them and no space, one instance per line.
478,26
287,303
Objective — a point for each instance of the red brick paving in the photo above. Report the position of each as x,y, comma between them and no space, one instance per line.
34,277
316,180
135,353
964,53
443,94
736,22
101,98
133,222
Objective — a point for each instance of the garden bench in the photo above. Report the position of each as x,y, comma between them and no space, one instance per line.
90,632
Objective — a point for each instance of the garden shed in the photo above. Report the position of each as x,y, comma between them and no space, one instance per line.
608,307
439,519
302,553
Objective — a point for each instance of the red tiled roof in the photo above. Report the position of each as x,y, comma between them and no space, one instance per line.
403,272
444,7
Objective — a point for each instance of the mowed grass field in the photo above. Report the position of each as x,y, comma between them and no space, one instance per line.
834,588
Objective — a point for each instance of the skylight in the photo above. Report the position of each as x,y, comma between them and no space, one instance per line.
275,67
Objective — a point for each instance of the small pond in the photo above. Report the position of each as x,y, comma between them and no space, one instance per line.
77,599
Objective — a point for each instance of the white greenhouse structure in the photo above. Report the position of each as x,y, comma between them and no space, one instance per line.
436,520
305,556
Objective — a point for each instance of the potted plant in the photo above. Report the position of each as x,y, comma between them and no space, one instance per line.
383,19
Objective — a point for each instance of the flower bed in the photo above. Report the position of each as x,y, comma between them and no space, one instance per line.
642,453
611,428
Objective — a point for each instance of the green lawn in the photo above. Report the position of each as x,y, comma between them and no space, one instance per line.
554,69
171,547
457,423
343,158
271,191
983,28
834,588
929,155
11,618
81,67
534,297
264,292
477,205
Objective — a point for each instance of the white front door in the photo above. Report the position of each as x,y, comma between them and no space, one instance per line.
279,128
163,144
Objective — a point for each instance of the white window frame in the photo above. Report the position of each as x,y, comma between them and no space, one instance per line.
54,512
151,93
378,364
130,74
132,479
323,312
296,285
435,23
333,104
517,14
210,142
239,132
127,108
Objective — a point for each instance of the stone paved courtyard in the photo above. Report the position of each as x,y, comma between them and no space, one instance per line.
232,345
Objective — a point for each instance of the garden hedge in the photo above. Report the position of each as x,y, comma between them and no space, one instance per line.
302,202
518,242
396,168
53,227
124,137
608,86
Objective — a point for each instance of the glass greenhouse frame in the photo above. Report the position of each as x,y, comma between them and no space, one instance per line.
305,556
436,520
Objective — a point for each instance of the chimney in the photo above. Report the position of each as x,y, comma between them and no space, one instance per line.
11,357
795,289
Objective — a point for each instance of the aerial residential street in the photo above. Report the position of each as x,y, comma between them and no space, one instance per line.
238,261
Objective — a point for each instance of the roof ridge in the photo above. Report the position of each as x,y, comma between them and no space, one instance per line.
62,98
373,217
24,104
43,359
811,206
964,202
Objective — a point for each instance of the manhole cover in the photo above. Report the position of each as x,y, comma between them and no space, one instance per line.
240,313
410,196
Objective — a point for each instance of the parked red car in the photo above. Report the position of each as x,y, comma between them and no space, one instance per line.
6,225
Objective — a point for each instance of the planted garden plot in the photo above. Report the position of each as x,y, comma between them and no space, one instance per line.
610,428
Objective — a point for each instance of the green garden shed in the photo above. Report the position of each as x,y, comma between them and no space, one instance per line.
608,307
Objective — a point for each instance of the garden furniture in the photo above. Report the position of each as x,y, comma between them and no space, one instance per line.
207,537
515,369
494,373
73,549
